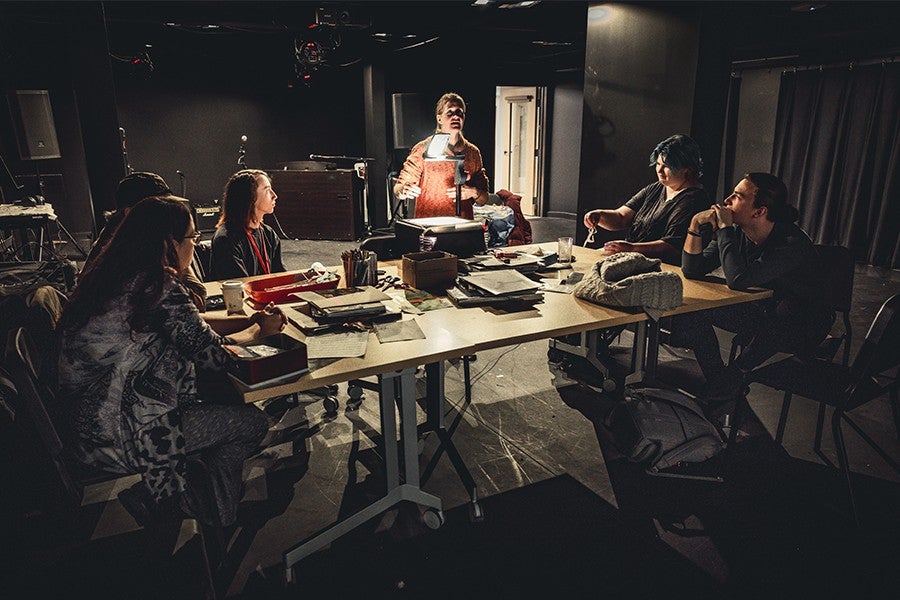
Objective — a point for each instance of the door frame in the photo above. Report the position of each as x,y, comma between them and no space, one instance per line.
533,199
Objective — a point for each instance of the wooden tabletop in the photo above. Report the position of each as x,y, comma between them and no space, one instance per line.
454,332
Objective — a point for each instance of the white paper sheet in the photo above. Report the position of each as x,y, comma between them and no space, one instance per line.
337,345
398,331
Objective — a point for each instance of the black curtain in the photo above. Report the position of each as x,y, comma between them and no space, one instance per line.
837,147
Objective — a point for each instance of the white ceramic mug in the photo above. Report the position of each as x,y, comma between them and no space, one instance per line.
233,294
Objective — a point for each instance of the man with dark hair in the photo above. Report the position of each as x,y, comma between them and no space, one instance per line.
132,189
757,244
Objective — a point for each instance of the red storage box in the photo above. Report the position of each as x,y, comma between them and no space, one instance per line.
278,288
267,358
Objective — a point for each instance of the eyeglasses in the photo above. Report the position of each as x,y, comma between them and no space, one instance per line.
196,237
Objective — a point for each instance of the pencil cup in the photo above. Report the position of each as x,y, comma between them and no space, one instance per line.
361,267
233,294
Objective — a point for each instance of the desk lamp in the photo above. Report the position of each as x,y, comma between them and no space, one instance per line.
437,150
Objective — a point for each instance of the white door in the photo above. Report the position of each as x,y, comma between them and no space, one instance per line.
518,152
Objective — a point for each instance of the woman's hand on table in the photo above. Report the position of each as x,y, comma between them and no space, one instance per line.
271,320
618,246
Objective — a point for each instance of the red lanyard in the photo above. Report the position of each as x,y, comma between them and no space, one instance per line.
262,258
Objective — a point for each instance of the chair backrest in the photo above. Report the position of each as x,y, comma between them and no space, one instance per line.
401,208
201,258
837,270
880,351
67,492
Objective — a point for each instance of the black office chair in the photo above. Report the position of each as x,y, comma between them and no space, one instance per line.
201,258
837,268
872,374
401,207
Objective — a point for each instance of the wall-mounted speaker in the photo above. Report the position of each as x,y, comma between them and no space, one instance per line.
32,118
414,119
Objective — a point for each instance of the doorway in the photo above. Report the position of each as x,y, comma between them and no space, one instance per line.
518,155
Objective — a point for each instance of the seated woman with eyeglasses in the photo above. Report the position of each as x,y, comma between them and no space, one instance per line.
655,220
131,344
243,245
432,183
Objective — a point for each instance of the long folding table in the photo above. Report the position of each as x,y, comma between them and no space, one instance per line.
456,332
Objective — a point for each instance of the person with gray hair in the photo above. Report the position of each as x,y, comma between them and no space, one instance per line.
655,220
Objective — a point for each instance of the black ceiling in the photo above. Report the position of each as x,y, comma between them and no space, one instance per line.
545,38
548,36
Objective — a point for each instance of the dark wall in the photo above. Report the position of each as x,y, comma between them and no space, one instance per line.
187,108
36,52
640,71
564,150
180,126
755,133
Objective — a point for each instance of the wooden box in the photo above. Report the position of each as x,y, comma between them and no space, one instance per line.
430,271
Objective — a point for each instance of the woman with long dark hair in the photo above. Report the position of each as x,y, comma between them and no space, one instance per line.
243,245
131,342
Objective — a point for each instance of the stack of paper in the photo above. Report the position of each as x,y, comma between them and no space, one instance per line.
349,304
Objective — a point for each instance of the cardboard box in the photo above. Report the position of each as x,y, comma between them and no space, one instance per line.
267,358
430,271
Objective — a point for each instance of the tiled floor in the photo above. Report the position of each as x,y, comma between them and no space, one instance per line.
564,513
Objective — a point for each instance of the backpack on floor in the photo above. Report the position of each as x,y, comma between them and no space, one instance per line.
661,428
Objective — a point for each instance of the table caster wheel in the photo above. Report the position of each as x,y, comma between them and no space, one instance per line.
331,406
433,518
476,515
609,385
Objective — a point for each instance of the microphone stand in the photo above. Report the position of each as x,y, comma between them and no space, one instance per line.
183,186
128,169
242,153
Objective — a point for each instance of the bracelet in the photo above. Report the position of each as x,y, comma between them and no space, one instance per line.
693,233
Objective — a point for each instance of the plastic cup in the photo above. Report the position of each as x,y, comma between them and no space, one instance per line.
564,249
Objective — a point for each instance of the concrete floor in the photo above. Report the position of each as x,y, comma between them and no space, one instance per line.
564,513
